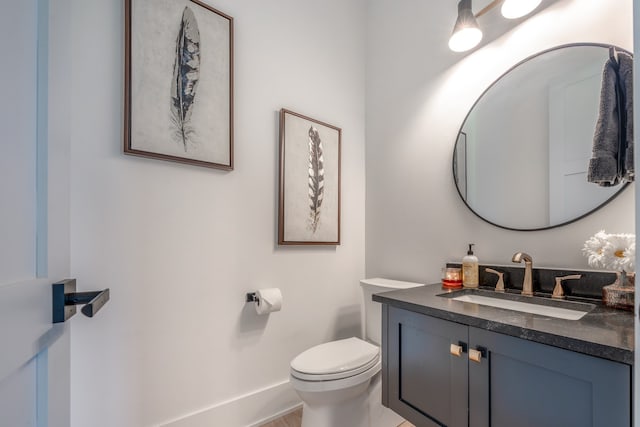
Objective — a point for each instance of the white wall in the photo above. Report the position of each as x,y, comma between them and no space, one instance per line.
418,93
180,245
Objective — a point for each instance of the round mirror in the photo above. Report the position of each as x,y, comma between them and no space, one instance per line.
522,154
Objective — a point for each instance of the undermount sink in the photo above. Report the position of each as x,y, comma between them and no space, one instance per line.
541,306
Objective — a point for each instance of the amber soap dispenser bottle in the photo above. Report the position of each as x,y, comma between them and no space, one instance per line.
470,269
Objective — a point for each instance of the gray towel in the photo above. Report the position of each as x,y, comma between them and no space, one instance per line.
603,165
625,80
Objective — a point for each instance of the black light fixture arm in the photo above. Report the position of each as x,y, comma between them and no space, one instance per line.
65,300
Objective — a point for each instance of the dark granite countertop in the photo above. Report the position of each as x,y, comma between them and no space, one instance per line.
603,332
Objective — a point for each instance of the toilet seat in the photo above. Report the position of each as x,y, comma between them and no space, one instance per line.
335,360
354,381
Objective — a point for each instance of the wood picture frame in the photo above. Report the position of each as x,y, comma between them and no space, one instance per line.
309,199
178,82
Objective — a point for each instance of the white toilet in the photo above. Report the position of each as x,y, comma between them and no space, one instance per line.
339,382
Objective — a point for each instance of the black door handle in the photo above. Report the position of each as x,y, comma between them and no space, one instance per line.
65,300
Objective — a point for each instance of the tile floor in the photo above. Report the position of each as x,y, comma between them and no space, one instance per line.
294,419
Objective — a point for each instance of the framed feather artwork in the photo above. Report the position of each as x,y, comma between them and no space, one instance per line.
179,82
309,205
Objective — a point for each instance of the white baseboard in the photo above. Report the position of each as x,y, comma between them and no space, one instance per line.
249,410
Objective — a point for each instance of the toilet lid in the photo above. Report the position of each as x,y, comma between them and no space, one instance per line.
336,357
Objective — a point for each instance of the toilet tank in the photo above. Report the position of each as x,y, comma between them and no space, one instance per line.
373,310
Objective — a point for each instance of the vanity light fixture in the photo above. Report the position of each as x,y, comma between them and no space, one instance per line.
466,32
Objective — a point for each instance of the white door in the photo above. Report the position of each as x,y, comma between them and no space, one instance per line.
573,113
34,217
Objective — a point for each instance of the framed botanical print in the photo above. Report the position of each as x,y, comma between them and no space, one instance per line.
309,202
179,82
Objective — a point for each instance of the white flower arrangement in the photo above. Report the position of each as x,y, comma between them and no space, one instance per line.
611,251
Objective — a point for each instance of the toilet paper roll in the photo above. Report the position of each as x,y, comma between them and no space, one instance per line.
269,300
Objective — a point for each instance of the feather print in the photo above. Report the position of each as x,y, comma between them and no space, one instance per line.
186,73
316,177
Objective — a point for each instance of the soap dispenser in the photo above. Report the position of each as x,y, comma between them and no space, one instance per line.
470,269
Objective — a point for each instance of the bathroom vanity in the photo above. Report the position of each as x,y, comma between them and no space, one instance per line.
452,363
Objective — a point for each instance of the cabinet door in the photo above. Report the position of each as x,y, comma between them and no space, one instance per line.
426,384
526,384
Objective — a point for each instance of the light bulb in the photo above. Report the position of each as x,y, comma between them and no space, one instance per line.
466,34
512,9
465,39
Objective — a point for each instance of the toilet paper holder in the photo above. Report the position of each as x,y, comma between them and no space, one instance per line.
266,300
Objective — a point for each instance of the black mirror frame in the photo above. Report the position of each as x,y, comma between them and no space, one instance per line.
454,165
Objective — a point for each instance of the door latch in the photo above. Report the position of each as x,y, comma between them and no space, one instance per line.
65,300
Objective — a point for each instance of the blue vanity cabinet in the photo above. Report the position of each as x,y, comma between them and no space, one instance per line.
498,381
527,384
422,381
